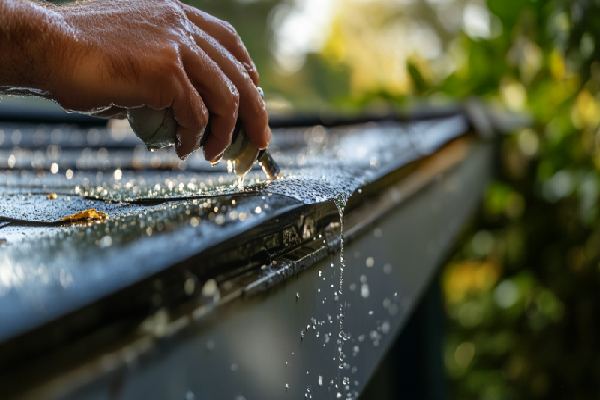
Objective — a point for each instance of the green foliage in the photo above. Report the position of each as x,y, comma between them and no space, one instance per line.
532,333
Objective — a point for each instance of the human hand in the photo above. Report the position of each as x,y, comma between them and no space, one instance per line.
161,53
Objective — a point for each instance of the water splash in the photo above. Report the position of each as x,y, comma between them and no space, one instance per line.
240,183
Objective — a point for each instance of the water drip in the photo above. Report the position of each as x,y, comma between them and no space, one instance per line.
340,202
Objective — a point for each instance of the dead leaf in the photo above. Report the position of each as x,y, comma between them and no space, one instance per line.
86,215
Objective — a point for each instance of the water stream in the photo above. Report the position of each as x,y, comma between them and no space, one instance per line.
340,203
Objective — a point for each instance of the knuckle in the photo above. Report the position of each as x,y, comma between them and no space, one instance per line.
202,116
243,71
169,63
233,99
230,28
175,9
239,43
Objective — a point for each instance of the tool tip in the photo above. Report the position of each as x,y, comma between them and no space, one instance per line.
268,164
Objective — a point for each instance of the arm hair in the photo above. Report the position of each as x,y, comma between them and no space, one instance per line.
31,45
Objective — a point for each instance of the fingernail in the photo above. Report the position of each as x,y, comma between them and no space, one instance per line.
212,158
182,157
217,159
178,150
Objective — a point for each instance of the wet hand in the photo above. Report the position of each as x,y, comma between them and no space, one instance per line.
161,53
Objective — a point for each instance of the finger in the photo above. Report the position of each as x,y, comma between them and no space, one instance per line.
220,95
214,147
226,35
252,109
192,117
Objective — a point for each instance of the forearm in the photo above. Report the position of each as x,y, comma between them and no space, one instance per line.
32,45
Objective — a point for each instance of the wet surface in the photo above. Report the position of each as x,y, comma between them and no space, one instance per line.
163,211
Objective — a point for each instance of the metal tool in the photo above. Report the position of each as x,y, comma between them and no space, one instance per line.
157,129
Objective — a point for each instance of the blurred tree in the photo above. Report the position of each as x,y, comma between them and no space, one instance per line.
529,331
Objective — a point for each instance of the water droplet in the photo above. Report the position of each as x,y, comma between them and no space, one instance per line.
364,290
210,288
189,395
370,262
234,367
320,380
386,302
385,327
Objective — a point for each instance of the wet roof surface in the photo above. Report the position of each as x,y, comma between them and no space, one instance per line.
47,271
